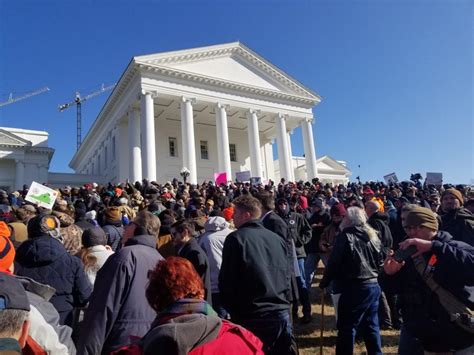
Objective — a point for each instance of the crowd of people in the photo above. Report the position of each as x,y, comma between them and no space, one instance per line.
176,268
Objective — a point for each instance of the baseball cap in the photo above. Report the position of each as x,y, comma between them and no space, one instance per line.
12,294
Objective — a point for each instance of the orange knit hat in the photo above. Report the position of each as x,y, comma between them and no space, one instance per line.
7,251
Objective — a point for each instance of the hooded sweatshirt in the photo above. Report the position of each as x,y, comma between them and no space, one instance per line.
212,242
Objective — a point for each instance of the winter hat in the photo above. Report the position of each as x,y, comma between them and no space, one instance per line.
93,236
421,216
29,208
456,193
7,250
338,210
91,214
44,225
317,202
12,293
6,213
112,214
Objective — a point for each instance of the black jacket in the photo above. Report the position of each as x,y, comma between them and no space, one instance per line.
194,253
114,233
321,220
45,260
254,278
299,230
355,258
422,312
379,222
460,224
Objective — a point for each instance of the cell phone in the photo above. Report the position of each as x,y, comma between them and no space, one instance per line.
404,254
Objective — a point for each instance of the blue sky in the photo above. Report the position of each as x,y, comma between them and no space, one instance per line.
396,77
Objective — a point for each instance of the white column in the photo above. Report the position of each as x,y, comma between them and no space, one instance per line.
254,144
290,153
187,138
122,153
223,152
19,174
309,151
135,164
283,153
148,137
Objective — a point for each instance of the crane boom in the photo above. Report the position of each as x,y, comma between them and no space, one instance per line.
11,99
78,103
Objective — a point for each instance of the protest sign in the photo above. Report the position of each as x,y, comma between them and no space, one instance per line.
254,181
41,195
434,179
220,178
242,176
390,178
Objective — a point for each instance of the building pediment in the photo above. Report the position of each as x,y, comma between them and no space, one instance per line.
329,164
232,64
10,139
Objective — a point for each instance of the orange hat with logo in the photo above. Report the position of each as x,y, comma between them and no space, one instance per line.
7,251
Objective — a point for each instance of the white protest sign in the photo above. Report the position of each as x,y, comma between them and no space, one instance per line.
242,176
390,178
434,179
41,195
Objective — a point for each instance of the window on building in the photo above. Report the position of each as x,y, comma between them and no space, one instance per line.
233,152
113,148
93,168
98,164
173,146
204,151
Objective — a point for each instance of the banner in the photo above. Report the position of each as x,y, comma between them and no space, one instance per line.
434,179
220,178
242,176
41,195
390,178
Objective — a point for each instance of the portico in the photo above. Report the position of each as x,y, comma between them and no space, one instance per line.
213,109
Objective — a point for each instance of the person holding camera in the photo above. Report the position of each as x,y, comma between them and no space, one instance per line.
433,275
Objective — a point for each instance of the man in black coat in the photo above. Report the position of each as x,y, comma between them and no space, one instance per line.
187,247
456,220
449,263
254,279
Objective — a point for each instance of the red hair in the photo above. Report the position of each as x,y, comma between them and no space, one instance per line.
171,280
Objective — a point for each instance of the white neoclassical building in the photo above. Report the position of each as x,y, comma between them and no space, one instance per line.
211,109
24,157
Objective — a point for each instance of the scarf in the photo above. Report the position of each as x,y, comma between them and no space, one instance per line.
185,306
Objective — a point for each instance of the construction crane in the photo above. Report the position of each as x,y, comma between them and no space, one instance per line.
78,102
12,99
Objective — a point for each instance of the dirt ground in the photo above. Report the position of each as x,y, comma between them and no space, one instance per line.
308,335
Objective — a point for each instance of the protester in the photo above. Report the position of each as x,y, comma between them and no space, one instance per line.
212,242
44,259
14,311
118,309
456,220
182,233
435,279
185,323
113,227
355,262
95,251
253,255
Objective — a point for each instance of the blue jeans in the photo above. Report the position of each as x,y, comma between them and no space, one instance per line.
310,266
358,309
303,290
274,330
